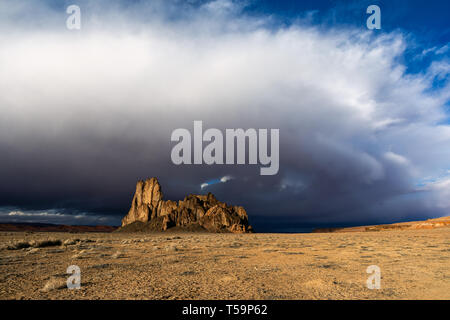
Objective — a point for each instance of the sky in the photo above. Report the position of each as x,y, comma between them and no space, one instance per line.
363,114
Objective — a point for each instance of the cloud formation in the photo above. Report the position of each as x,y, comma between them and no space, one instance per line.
212,182
54,216
85,114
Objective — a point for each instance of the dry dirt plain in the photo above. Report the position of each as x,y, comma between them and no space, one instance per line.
414,265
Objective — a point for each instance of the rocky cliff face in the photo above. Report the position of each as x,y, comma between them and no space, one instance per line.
149,208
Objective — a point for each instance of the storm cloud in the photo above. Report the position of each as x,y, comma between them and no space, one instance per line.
86,113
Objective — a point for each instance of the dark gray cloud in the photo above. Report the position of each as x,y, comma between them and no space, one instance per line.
85,114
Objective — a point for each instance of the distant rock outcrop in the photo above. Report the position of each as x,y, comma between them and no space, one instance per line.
196,212
412,225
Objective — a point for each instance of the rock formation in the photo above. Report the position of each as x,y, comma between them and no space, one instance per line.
150,212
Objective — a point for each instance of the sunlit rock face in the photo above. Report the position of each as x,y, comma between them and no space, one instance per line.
202,211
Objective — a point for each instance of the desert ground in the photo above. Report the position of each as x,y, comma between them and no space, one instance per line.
414,264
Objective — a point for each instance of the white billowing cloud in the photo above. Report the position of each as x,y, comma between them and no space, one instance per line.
437,50
204,185
52,216
224,179
16,213
396,158
440,192
443,49
347,111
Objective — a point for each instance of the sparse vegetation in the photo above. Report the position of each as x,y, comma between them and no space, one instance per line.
47,243
19,245
54,284
117,255
33,243
69,242
227,266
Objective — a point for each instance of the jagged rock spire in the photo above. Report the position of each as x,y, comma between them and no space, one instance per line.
205,211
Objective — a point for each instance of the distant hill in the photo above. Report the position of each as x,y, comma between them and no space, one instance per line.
412,225
47,227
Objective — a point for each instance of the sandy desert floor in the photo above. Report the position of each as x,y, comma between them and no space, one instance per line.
414,265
